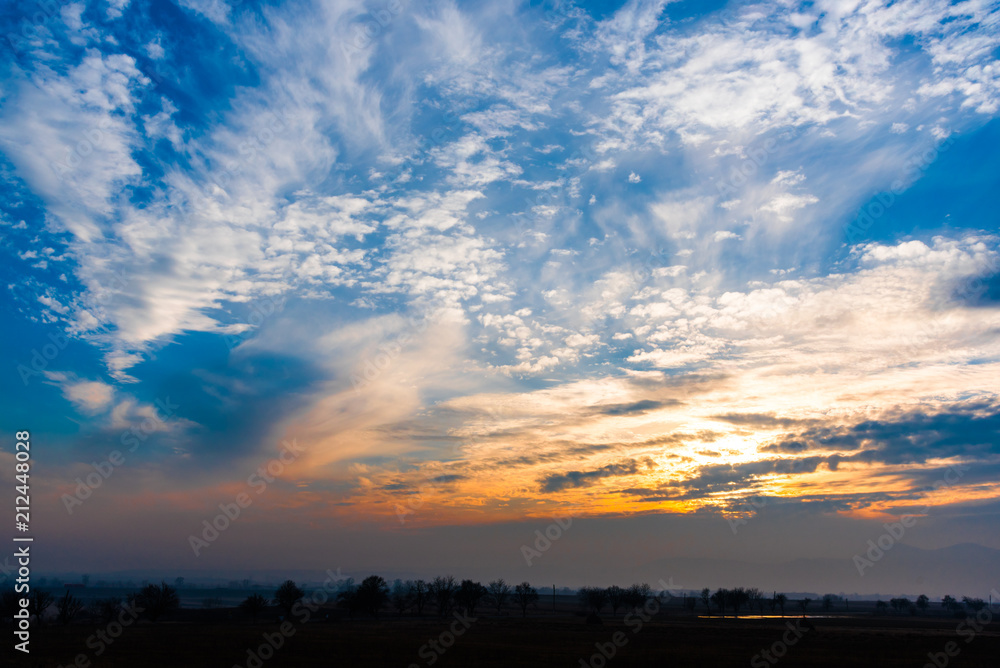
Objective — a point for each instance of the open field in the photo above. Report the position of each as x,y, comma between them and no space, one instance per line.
545,638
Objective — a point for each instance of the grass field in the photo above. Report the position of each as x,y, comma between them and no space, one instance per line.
194,638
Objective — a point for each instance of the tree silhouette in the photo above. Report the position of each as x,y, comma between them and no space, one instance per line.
616,596
755,597
974,604
923,602
253,605
804,603
881,606
401,596
68,608
719,598
498,593
105,609
706,598
468,596
524,595
780,600
737,598
348,598
637,595
442,590
421,595
157,600
900,604
593,598
38,602
287,595
372,594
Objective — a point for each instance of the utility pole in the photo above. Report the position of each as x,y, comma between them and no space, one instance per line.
553,598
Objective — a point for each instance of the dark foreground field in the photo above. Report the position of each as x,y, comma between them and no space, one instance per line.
536,641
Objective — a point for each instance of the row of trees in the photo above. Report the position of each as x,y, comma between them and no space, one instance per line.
959,608
595,599
748,598
443,594
151,602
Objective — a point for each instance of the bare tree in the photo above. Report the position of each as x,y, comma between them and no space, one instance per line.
637,595
105,609
525,595
421,594
780,600
737,598
287,595
593,598
706,598
468,596
719,598
253,605
498,593
442,590
901,604
755,597
68,608
372,594
616,596
38,602
401,596
157,600
974,604
804,603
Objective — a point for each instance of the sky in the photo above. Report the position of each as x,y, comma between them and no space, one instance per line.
410,281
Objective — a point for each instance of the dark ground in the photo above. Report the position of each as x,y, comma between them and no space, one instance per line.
221,638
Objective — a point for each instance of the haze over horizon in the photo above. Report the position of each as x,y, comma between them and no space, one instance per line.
400,284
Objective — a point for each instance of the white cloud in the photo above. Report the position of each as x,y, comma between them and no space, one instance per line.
88,396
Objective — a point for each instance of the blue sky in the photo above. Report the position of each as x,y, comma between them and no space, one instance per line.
514,259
